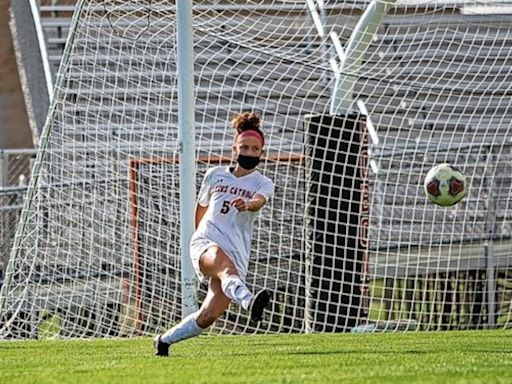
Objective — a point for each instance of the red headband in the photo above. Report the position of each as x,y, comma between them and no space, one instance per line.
253,133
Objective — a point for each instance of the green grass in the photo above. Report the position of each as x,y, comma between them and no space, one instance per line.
449,357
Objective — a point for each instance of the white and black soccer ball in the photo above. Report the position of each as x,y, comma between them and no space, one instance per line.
445,185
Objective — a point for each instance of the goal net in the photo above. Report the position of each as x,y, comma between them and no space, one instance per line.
348,243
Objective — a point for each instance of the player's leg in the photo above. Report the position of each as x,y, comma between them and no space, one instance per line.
214,304
185,329
216,264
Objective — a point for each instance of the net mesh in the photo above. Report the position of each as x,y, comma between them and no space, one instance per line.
97,246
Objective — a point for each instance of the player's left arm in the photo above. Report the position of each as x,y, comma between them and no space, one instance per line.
260,198
251,205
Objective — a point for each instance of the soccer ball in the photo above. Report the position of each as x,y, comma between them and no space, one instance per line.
445,185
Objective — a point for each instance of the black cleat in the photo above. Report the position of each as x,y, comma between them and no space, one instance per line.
161,348
259,303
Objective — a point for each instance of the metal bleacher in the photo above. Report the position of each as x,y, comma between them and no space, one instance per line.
447,76
458,96
433,95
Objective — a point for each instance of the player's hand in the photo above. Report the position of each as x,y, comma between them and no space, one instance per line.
240,204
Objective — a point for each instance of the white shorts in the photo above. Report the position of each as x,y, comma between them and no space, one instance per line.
199,246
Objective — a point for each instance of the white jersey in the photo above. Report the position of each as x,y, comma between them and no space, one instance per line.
222,224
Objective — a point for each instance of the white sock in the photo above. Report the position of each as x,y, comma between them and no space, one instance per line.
186,329
235,289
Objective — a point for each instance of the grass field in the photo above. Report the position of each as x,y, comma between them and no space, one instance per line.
449,357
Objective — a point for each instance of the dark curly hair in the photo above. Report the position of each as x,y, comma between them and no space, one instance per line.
246,121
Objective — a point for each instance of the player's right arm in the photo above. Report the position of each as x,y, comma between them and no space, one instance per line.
203,198
200,211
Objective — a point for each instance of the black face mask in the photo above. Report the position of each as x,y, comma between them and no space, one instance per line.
248,162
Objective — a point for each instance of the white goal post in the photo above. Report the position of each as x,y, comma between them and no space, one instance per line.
349,242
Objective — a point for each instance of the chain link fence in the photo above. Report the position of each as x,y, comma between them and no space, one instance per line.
15,165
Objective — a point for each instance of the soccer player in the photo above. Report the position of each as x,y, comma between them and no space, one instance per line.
228,202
